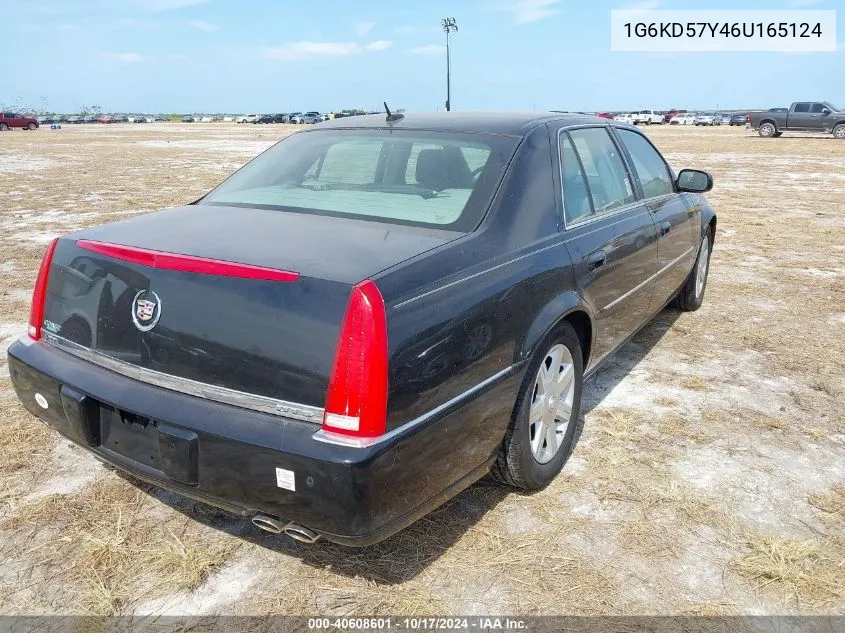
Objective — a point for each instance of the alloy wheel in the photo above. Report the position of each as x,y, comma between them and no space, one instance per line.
551,403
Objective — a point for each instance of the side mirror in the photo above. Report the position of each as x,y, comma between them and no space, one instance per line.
826,111
694,181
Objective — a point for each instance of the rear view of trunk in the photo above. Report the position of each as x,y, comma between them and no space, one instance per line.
250,329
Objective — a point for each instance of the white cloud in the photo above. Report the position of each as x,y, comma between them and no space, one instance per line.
304,50
378,45
166,5
202,25
124,57
431,49
525,11
362,28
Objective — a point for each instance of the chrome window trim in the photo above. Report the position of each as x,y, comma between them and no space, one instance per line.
647,281
365,442
224,395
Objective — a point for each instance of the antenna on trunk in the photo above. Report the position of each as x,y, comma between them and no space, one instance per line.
393,117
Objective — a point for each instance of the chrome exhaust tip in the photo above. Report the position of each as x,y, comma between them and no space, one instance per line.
301,533
268,524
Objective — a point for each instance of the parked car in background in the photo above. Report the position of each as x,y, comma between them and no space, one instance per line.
254,374
247,118
604,115
717,118
705,118
671,114
208,118
72,120
105,119
89,119
228,119
266,118
738,118
648,117
687,118
280,117
624,118
9,120
307,117
802,116
44,120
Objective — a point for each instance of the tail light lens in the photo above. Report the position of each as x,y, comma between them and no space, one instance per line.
39,293
748,118
356,401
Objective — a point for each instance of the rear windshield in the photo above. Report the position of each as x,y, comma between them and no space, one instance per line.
432,179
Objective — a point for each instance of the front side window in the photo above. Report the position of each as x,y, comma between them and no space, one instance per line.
607,179
651,170
818,108
437,179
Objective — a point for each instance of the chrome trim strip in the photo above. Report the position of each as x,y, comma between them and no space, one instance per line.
364,442
224,395
647,281
474,275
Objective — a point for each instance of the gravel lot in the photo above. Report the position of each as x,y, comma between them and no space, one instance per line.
709,477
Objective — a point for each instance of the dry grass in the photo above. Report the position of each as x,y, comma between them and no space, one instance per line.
681,512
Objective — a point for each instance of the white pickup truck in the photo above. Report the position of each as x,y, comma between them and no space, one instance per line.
647,117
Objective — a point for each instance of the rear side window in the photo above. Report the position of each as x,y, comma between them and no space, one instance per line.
576,196
606,177
437,179
652,172
802,107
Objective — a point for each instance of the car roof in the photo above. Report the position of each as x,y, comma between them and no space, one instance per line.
508,123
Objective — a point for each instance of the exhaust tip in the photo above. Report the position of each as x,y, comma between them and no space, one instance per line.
301,533
268,524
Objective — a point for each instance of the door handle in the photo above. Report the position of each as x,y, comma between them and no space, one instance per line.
665,227
596,259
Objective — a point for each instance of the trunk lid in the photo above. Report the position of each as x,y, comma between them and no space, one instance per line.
267,338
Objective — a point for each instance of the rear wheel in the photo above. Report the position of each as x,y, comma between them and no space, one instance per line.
539,439
767,130
839,131
691,295
3,127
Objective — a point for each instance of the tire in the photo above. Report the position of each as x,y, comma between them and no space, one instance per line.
31,126
839,131
519,464
3,127
691,295
767,130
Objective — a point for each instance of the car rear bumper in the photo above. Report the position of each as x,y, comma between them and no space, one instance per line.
250,463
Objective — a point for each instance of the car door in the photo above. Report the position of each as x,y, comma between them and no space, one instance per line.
818,119
800,118
609,232
677,220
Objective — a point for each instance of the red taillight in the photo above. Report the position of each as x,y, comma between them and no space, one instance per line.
356,402
748,118
186,263
39,293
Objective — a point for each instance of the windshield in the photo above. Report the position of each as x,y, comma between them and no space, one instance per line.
832,107
433,179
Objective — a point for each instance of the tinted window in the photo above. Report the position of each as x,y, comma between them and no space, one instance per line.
576,196
651,170
818,108
607,178
802,107
409,177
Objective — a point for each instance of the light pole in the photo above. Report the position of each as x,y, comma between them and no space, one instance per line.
448,25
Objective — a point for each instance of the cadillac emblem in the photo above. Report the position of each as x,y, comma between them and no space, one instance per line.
146,310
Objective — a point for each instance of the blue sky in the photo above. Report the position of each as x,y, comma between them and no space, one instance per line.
278,56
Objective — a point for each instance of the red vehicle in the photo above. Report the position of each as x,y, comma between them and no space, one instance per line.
605,115
10,119
671,114
104,119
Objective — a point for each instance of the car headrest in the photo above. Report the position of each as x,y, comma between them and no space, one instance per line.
441,169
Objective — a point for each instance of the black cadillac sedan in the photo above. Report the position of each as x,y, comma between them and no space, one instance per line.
368,317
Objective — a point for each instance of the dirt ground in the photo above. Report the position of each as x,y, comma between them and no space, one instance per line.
709,477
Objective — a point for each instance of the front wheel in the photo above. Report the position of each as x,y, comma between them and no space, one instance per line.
767,130
539,438
839,131
3,127
31,126
691,295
